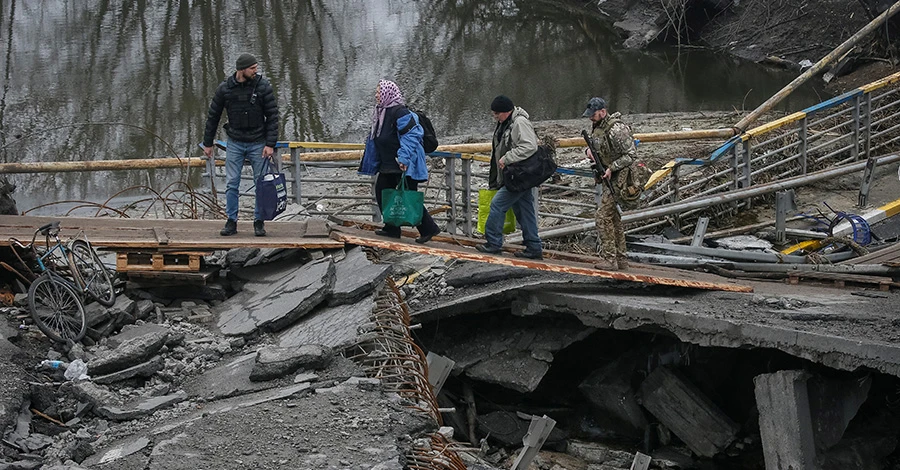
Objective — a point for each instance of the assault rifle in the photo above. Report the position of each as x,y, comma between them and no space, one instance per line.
600,170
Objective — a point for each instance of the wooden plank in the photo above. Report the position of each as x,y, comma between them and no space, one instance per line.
459,252
142,261
179,234
161,236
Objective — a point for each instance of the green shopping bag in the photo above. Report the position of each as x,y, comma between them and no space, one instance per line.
484,208
401,206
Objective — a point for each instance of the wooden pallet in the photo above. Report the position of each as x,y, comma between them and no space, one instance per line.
182,261
841,279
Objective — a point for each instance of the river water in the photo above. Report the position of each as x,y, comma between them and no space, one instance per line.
100,80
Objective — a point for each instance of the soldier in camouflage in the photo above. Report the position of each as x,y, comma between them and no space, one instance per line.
614,142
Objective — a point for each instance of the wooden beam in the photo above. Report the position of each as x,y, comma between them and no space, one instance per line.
557,267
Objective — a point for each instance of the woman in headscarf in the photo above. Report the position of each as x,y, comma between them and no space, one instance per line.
397,138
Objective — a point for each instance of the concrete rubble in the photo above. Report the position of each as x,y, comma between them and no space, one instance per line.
163,379
260,377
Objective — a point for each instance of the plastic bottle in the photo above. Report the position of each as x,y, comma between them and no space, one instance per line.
48,364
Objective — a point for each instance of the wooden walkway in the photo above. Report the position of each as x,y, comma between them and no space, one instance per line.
459,247
172,235
158,235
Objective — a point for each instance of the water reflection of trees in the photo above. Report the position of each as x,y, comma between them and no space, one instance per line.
156,65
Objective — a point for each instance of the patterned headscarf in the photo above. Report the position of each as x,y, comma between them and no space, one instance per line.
390,96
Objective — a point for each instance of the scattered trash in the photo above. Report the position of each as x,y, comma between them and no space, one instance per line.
76,371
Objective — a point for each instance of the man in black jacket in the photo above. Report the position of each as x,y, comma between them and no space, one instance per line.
252,130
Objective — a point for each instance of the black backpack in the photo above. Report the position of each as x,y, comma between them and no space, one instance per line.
429,139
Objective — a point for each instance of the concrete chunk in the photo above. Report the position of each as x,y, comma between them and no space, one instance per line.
273,362
278,299
613,400
141,408
130,352
684,409
833,404
358,278
144,369
130,332
335,327
227,380
515,370
785,424
466,274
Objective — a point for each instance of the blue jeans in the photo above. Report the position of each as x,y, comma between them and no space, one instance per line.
522,204
235,154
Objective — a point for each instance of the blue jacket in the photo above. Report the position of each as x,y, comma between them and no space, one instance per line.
400,142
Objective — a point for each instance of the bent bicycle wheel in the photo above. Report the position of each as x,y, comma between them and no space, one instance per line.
92,274
56,309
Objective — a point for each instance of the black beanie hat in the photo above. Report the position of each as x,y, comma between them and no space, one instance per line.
245,60
502,104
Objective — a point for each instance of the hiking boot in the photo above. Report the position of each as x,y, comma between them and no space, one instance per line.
622,263
426,238
384,233
528,254
259,228
607,266
230,228
485,248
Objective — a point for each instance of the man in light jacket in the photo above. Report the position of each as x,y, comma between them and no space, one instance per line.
514,140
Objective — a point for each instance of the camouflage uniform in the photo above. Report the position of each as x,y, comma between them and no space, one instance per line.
613,140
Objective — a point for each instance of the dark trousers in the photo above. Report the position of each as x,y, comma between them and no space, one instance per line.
391,181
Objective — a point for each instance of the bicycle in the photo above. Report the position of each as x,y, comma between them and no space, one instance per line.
56,301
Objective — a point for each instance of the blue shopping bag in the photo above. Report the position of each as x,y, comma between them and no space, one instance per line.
271,193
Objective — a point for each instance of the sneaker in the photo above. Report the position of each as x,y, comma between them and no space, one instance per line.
384,233
485,248
259,228
230,228
528,254
426,238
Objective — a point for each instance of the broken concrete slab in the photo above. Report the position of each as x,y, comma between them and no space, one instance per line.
515,370
833,404
614,401
684,409
136,409
274,362
122,450
277,299
144,369
599,454
95,314
236,257
227,380
335,327
94,394
131,351
785,423
123,304
130,332
507,428
143,309
512,352
468,273
358,278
